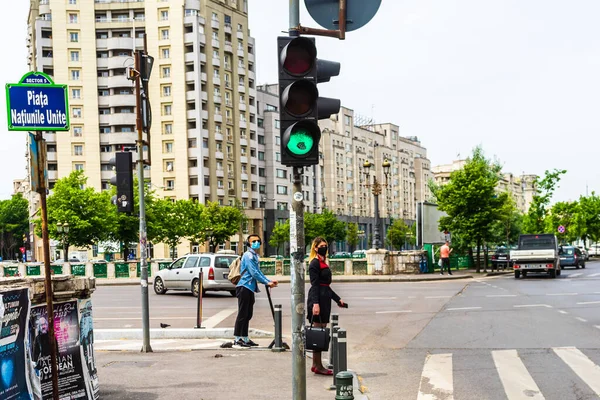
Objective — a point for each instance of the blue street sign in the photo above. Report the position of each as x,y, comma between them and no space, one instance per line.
358,12
37,104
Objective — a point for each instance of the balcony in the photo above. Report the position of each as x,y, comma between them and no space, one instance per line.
193,134
216,80
102,63
216,44
251,57
204,96
228,47
115,81
193,152
220,173
191,76
219,155
252,75
220,192
120,62
227,28
45,8
203,77
205,133
192,114
245,195
241,53
244,177
218,118
244,159
189,37
105,157
219,136
53,175
194,190
47,61
191,95
104,101
253,110
205,153
229,121
240,35
217,99
242,106
202,38
43,42
51,156
241,70
243,141
120,100
121,42
242,89
243,124
204,114
214,24
216,62
203,58
119,138
191,57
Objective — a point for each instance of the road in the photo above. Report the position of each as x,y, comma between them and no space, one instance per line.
487,338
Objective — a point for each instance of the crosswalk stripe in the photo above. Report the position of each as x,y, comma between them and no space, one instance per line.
576,275
436,379
592,275
581,365
518,383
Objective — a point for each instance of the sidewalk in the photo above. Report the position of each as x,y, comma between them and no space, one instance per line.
211,373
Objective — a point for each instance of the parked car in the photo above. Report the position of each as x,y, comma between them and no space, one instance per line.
594,250
183,274
342,254
536,253
584,252
359,254
501,258
98,261
571,256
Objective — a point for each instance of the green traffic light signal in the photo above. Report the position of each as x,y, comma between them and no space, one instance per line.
301,143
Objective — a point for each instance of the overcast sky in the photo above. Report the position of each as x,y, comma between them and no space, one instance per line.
521,78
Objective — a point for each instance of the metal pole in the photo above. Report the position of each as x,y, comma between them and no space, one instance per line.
199,307
297,286
41,143
278,343
342,351
335,317
334,347
143,239
294,17
376,242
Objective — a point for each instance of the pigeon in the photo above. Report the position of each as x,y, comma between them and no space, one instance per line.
164,325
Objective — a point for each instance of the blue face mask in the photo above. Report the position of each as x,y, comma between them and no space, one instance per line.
255,245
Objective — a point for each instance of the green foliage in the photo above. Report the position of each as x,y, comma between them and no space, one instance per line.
325,225
509,225
14,223
534,221
564,213
221,222
399,233
172,227
280,235
470,200
352,235
588,218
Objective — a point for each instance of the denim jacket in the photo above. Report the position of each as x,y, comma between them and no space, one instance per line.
251,273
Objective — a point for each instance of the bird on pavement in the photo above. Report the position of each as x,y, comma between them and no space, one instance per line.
164,325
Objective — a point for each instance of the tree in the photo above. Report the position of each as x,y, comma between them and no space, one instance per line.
325,225
221,222
563,213
81,207
534,219
280,235
399,234
352,236
195,226
509,225
588,218
470,201
14,225
172,229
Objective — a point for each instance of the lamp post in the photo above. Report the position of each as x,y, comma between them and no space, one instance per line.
63,230
376,188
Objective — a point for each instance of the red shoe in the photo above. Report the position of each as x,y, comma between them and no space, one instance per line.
327,372
313,369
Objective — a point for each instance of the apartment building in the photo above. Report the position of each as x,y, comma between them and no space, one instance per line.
202,93
338,182
522,188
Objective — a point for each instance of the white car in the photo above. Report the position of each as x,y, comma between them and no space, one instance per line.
184,274
586,254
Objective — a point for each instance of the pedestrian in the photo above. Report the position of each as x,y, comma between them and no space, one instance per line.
445,251
320,296
245,289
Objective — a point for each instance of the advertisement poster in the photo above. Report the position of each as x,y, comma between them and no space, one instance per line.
87,347
71,379
14,312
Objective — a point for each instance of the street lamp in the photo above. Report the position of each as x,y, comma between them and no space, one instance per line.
63,230
376,190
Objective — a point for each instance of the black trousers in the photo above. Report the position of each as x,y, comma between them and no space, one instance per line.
245,310
445,264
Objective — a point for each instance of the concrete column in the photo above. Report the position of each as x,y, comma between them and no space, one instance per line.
89,269
110,270
376,262
348,267
66,269
154,269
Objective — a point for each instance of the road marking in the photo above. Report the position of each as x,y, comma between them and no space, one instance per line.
463,308
518,383
562,294
533,305
597,326
393,312
588,302
412,297
139,318
575,275
501,295
436,379
581,365
597,274
380,298
580,319
218,318
438,297
562,312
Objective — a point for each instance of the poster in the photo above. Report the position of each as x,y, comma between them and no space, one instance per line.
14,313
86,336
71,380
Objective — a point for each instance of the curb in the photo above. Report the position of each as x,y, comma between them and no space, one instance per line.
190,333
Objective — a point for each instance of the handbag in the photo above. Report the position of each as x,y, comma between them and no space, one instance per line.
440,263
317,339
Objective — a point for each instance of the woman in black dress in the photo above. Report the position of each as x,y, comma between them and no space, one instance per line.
320,296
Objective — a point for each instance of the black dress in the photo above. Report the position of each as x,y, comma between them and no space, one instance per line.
320,292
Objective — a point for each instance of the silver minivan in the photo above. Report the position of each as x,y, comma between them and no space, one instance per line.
184,273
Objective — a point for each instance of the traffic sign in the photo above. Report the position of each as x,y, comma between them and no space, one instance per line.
37,104
561,229
358,12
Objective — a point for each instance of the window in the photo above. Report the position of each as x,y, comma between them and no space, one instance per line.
261,172
74,37
164,34
261,139
220,184
73,18
166,72
278,140
77,131
165,53
261,156
168,129
215,17
76,112
105,129
75,56
282,206
281,173
168,147
167,109
72,2
164,15
78,167
170,184
277,156
166,91
169,166
276,124
193,181
347,120
191,13
78,150
192,143
260,122
74,74
282,189
75,93
270,107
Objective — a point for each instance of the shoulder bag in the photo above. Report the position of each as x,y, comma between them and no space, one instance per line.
317,339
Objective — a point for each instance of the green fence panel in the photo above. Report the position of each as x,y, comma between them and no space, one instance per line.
100,271
268,268
163,265
58,269
465,262
78,269
359,267
11,271
287,266
33,270
337,267
139,269
121,270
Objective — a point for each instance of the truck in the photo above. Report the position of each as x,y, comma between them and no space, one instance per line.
536,253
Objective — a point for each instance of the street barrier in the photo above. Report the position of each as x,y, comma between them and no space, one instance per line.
344,389
342,354
334,348
277,344
199,308
335,318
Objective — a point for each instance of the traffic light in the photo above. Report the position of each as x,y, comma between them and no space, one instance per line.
300,106
123,181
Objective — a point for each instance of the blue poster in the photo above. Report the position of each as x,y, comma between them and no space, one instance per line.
14,314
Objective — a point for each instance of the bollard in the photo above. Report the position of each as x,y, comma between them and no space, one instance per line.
343,387
342,350
334,348
335,317
199,309
278,342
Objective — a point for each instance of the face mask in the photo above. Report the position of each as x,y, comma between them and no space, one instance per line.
255,245
322,251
